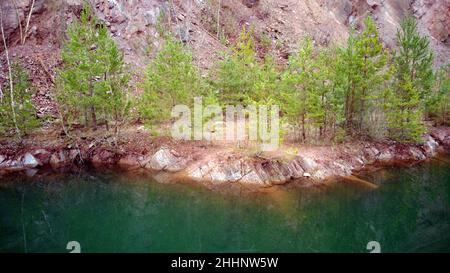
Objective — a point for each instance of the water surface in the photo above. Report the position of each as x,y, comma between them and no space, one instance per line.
107,212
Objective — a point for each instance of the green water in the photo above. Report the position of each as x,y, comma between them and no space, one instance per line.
409,212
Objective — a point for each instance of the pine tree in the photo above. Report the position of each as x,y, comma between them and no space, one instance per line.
298,96
438,104
266,85
414,60
93,82
405,112
365,65
334,74
413,81
25,113
329,99
171,79
235,77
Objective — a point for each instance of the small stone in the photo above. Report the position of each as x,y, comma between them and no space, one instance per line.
306,175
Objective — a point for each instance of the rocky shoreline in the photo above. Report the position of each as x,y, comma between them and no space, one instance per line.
221,166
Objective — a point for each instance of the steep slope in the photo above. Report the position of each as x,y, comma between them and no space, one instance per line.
278,27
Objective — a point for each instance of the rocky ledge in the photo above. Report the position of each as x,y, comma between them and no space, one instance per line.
230,166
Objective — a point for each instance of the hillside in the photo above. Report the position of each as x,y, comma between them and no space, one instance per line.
277,28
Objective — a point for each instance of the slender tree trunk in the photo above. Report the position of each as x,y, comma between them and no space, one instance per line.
303,127
350,110
28,23
363,95
116,125
11,85
324,120
86,117
92,107
218,19
346,110
93,117
107,125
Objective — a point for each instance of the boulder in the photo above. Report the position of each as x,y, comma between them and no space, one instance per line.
29,161
430,146
42,156
165,159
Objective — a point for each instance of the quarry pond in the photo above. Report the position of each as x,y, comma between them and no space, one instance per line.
112,212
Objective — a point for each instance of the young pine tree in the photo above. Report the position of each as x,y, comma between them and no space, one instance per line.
235,77
92,83
413,81
172,79
25,113
405,112
299,97
366,68
439,102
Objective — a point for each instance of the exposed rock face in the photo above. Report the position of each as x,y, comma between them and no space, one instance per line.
442,135
167,160
2,158
133,23
272,172
226,166
22,8
430,146
11,165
